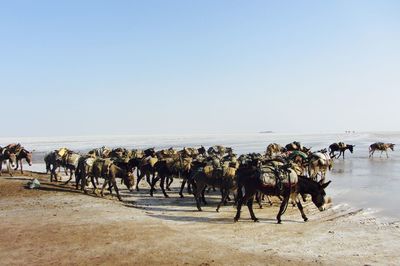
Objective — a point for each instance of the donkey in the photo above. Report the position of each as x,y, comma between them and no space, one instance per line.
146,168
223,178
70,161
106,169
53,162
23,154
164,170
341,148
319,163
111,173
9,157
287,184
380,146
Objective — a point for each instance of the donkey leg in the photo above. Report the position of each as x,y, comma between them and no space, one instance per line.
152,185
9,168
282,208
238,210
168,182
139,177
83,181
189,188
77,180
182,187
259,200
250,207
22,170
303,215
197,189
114,183
148,178
110,185
203,198
103,187
239,207
242,200
162,182
51,174
269,200
92,180
70,178
223,198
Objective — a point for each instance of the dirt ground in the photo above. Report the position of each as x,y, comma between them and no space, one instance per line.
58,225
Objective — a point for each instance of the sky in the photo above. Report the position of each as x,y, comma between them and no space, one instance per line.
183,67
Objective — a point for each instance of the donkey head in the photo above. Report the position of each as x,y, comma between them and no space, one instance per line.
391,146
27,155
351,148
13,159
201,150
318,195
129,180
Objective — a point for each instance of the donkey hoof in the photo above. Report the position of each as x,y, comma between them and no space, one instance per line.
279,222
256,220
305,219
217,209
235,220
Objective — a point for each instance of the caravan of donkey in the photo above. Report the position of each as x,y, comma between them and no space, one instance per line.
291,172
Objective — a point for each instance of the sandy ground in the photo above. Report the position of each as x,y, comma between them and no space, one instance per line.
58,225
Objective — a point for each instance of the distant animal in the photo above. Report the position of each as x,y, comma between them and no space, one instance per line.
9,157
23,154
341,148
380,146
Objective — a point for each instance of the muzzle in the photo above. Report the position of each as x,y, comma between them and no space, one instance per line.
326,204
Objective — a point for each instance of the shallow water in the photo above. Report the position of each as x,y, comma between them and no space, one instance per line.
358,181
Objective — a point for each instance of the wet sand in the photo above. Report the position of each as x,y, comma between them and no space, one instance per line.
59,225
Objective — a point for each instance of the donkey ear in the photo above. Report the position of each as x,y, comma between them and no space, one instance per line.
326,184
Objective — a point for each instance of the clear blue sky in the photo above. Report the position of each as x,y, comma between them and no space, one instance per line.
132,67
